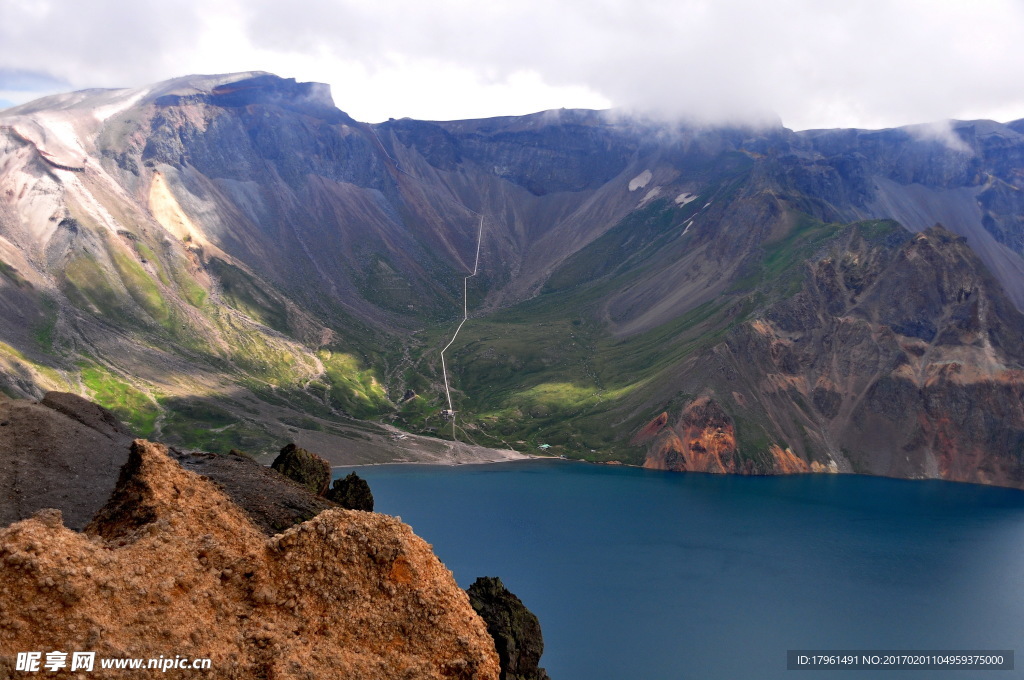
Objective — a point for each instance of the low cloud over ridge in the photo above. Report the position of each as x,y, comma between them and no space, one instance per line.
873,63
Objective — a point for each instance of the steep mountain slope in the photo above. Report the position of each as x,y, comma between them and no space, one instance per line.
231,259
899,355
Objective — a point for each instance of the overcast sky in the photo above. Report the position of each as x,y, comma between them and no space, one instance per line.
813,63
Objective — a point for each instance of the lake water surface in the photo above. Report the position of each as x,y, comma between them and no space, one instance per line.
644,575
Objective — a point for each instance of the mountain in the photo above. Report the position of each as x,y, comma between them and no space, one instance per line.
232,261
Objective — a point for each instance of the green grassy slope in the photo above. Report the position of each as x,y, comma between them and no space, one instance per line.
546,371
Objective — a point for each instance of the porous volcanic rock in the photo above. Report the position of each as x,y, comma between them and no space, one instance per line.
171,566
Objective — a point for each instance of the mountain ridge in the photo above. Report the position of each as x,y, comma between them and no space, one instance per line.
236,263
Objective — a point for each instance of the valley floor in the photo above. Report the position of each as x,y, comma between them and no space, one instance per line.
391,445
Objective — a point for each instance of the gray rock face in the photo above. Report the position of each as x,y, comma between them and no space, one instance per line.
896,357
267,240
965,177
63,452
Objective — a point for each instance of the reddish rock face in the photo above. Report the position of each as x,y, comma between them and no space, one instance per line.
702,440
785,462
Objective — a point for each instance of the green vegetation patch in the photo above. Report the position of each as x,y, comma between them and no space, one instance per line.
128,403
544,372
564,399
779,271
201,424
190,289
301,422
616,248
780,267
417,413
12,275
53,379
881,230
147,254
753,441
142,289
259,357
44,331
351,387
384,286
90,287
648,354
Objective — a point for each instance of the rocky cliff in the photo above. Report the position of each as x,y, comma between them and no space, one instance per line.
899,355
308,469
171,566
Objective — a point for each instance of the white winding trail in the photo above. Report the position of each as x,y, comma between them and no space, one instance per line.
465,310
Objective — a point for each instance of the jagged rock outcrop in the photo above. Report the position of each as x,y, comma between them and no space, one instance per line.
308,469
61,452
171,566
515,629
352,493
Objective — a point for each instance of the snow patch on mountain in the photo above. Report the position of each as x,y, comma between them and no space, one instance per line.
102,113
653,193
641,180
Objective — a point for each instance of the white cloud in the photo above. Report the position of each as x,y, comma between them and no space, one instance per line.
940,131
871,63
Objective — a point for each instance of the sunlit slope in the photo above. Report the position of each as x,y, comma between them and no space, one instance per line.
115,290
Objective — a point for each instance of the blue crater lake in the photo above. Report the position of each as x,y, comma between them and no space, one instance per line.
644,575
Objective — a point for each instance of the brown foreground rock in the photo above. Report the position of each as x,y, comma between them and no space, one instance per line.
170,566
